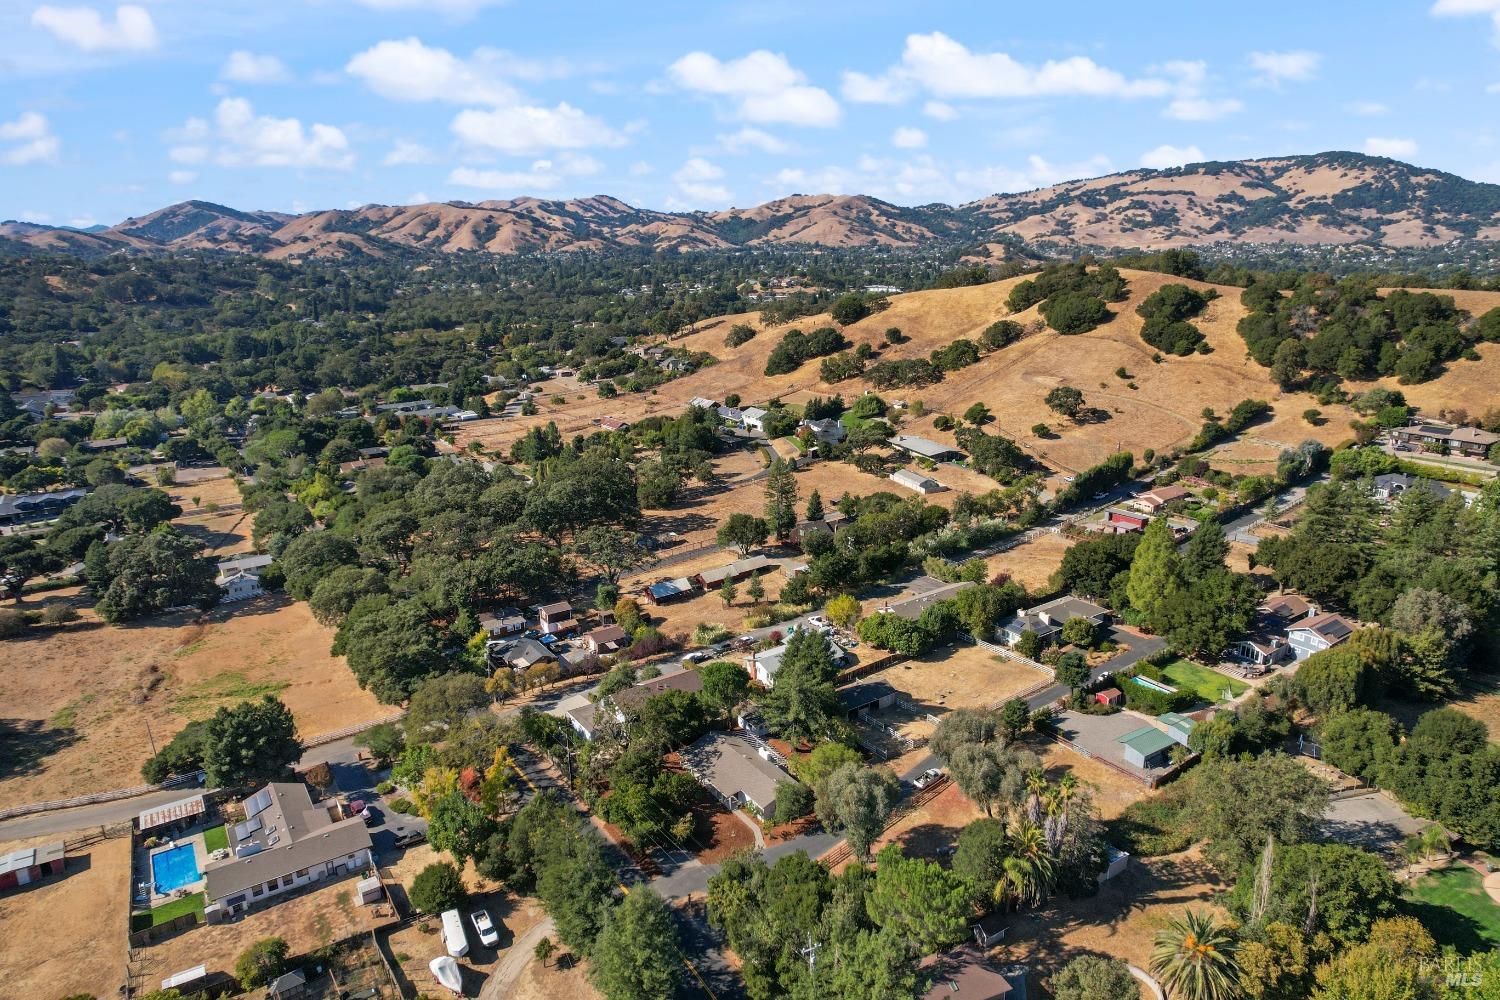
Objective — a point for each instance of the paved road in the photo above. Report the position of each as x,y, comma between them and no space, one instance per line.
1141,646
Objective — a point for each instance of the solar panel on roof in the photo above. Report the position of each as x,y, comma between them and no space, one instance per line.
258,803
245,829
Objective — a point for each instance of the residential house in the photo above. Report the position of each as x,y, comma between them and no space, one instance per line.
1047,620
925,448
506,621
614,424
753,418
407,406
739,773
1147,747
285,841
25,508
608,639
882,290
963,974
702,403
555,618
587,719
1390,487
525,654
732,415
1315,634
1153,500
916,481
667,591
34,402
240,577
827,524
103,444
860,699
1265,644
1429,436
764,664
31,864
826,431
675,366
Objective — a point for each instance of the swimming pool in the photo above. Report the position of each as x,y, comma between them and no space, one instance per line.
174,868
1147,682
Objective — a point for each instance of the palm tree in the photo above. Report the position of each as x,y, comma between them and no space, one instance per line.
1027,873
1195,957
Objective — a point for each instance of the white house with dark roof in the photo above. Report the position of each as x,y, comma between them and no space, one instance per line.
286,841
1315,634
240,578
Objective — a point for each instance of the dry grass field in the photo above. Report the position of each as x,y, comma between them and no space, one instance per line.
959,677
1032,563
66,935
87,693
1163,410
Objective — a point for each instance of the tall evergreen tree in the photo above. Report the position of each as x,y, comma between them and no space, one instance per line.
1205,551
1155,571
815,506
781,500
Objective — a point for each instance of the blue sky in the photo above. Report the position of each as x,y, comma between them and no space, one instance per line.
108,111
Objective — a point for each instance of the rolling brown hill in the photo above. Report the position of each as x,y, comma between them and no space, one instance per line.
1346,199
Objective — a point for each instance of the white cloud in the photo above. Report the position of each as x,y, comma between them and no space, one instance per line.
749,139
765,86
406,152
248,67
132,29
543,175
407,70
863,89
243,138
1189,78
182,176
1202,109
521,130
1277,67
945,68
1368,108
33,140
1470,8
641,169
1166,155
699,181
1395,148
939,110
907,137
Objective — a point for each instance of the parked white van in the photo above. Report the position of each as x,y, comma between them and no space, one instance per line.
453,934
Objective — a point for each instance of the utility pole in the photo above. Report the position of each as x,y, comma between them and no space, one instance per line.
811,952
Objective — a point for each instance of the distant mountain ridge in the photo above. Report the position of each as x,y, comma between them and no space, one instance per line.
1334,198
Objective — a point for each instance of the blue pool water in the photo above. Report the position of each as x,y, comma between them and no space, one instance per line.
175,868
1147,682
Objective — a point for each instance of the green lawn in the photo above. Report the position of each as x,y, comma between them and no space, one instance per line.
216,839
168,911
1208,684
1453,905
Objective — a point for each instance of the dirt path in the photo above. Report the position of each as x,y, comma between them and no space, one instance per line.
519,955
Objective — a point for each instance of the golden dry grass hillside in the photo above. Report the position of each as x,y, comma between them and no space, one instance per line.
1159,406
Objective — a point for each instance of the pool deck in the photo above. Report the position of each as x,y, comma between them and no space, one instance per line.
146,873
